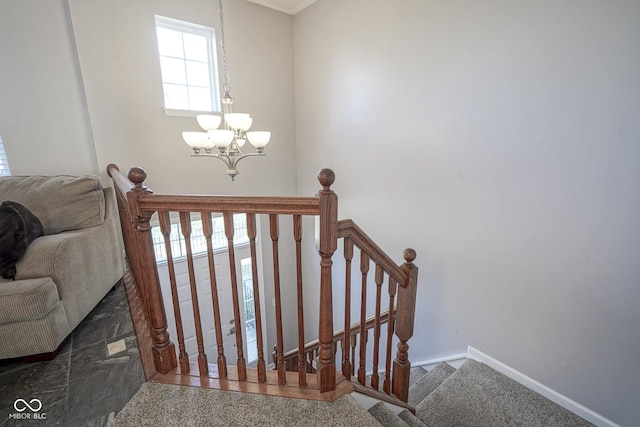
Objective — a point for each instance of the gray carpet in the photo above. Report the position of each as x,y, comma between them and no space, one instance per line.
478,396
473,396
428,383
386,416
171,405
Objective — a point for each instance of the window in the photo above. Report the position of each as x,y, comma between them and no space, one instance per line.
198,241
249,310
4,164
188,65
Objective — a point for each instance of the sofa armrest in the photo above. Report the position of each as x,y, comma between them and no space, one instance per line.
84,264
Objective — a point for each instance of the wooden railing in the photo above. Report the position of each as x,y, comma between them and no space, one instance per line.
402,280
296,359
163,362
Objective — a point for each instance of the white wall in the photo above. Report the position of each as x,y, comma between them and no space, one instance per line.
118,56
500,140
80,88
43,116
120,67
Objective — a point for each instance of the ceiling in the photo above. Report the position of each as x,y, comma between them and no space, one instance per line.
287,6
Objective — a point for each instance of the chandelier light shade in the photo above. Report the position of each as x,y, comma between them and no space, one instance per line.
225,144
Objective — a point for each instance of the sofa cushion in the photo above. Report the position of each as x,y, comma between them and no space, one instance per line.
18,228
22,300
61,202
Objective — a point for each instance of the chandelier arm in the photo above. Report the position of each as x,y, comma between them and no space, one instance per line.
237,160
222,157
238,151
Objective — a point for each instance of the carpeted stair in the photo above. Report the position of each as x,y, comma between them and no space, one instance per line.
474,395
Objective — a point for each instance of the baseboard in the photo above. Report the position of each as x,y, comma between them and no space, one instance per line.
455,360
543,390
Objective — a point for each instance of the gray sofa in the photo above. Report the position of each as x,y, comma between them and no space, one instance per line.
65,273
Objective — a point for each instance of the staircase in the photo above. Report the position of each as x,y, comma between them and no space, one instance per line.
474,395
378,299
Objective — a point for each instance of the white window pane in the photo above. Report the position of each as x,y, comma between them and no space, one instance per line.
170,42
200,98
195,47
173,70
176,97
187,58
198,74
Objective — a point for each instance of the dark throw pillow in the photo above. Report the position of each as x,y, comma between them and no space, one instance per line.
18,228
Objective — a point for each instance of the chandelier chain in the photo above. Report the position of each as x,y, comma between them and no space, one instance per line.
226,85
226,144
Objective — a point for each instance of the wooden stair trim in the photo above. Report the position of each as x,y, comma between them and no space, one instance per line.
140,322
368,391
251,385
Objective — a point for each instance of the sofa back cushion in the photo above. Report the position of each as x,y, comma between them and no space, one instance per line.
61,203
18,228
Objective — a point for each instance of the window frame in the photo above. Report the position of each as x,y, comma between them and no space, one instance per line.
186,27
5,170
198,244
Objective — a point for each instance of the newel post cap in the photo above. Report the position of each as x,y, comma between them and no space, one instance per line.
137,175
326,177
409,255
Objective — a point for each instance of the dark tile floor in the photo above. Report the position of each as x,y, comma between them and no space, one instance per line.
83,385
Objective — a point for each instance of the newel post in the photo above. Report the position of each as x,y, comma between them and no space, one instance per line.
143,263
404,327
327,245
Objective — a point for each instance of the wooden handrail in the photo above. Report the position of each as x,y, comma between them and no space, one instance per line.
355,328
244,204
209,203
348,228
122,184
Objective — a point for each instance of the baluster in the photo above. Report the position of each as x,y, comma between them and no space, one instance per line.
207,229
328,243
229,232
404,327
251,232
297,234
390,329
165,229
273,228
376,327
185,223
346,361
364,268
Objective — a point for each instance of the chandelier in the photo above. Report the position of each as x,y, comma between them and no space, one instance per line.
226,144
